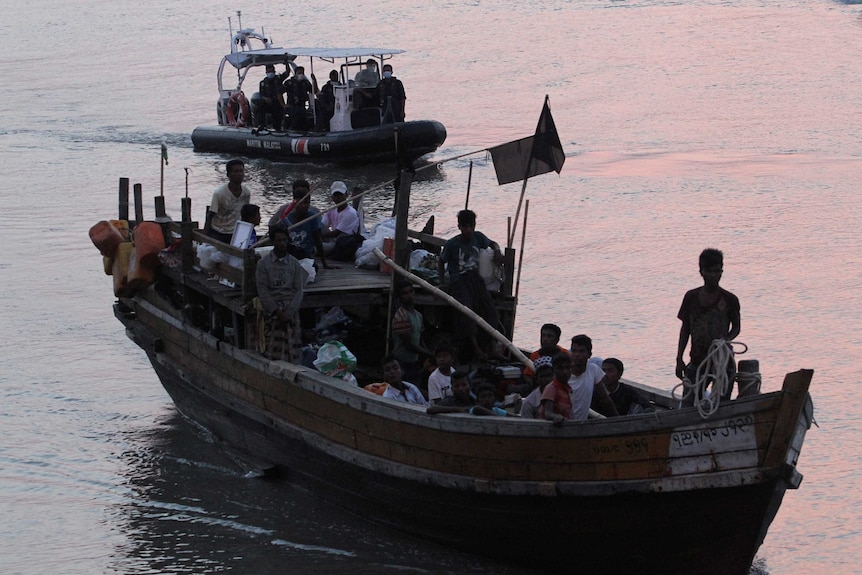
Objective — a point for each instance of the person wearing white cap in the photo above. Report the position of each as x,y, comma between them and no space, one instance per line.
342,221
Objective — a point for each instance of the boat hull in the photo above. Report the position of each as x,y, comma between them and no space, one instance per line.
360,146
417,473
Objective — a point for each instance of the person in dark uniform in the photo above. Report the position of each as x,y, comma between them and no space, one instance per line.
297,90
271,100
326,102
390,92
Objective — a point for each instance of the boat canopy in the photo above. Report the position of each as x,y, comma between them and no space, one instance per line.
264,56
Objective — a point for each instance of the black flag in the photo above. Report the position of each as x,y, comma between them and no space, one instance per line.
532,156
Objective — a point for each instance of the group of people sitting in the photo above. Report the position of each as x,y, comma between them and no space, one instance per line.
284,98
565,385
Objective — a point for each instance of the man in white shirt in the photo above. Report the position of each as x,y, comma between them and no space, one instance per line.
340,221
588,390
399,389
227,202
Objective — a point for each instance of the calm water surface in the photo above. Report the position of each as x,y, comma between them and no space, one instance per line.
730,124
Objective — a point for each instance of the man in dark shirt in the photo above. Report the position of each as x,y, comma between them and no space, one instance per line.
297,90
390,91
271,100
707,313
326,102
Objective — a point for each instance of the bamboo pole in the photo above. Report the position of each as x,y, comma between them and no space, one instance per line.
469,181
437,292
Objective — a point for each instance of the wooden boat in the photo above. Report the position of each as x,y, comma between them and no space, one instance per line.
358,132
665,492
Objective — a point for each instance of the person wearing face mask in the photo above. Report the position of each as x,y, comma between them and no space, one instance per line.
271,100
391,95
297,90
368,76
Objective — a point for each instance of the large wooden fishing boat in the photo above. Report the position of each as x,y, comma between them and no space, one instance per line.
357,133
665,492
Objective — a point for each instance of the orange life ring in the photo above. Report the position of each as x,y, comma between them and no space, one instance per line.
238,113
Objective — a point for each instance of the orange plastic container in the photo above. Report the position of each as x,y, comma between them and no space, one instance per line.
106,237
139,275
121,269
123,227
149,241
388,249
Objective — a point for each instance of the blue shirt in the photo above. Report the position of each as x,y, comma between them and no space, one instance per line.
303,236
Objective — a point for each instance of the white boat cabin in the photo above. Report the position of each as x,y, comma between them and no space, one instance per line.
355,106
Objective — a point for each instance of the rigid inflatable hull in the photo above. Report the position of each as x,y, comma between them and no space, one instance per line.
359,146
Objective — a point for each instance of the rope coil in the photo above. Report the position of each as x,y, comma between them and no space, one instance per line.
712,380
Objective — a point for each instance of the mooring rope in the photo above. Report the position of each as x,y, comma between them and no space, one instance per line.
711,380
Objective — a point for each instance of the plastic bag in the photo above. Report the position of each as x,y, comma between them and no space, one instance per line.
335,360
209,256
365,254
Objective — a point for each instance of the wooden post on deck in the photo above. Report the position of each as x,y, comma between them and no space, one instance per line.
187,248
186,208
402,209
249,270
124,199
161,214
139,203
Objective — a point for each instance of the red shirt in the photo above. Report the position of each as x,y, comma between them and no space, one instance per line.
561,394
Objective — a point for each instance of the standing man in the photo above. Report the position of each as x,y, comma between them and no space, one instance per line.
271,93
227,203
326,102
460,255
297,91
279,279
707,313
586,382
390,91
407,325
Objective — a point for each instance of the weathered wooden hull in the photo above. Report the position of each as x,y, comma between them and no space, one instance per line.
359,146
659,493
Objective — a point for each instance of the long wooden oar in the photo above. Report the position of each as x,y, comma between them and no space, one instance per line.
437,292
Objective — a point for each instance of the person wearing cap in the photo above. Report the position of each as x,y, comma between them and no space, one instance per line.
544,374
297,91
390,92
368,76
343,220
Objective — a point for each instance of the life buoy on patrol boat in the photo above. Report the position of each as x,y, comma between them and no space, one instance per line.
238,113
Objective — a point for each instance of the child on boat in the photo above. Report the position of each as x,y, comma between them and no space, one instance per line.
556,398
440,380
544,374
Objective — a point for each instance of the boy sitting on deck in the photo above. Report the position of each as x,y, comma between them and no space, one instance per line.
619,392
544,374
440,380
556,398
461,401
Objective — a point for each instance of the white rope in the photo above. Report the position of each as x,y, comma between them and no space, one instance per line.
711,379
747,380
